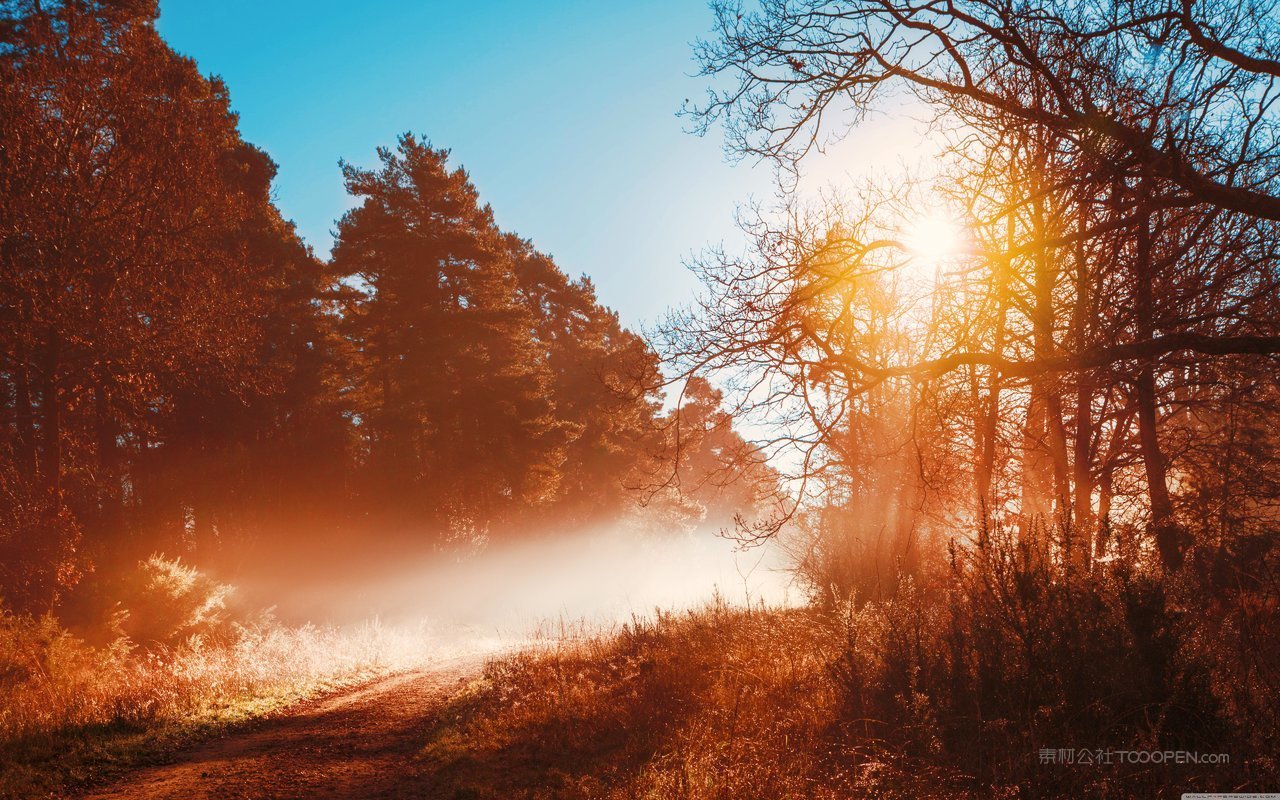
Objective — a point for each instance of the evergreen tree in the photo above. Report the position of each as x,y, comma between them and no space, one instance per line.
451,392
604,382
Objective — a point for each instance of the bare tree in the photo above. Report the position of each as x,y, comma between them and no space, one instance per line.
1116,164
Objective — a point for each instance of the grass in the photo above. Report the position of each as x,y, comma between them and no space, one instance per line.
950,687
74,715
718,703
906,698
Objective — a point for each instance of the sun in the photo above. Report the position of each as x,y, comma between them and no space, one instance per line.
934,239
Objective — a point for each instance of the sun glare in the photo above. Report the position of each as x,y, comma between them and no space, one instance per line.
934,239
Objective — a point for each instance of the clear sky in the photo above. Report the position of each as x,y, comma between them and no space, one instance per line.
564,114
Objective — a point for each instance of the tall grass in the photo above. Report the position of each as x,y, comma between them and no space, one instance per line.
51,681
722,702
949,686
72,712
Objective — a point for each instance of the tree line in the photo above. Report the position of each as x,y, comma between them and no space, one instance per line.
180,372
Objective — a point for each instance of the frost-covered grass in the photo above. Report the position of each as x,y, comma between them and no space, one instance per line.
73,713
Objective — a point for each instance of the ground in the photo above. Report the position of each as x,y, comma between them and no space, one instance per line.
357,744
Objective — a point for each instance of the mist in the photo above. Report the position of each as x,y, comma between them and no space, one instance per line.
596,577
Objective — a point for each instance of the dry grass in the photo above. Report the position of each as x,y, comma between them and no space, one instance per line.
717,703
73,714
946,691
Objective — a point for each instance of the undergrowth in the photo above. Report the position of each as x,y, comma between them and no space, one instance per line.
75,713
971,682
722,702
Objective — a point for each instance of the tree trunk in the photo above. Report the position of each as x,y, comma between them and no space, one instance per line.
1106,490
1048,427
984,470
51,418
1056,431
989,412
1164,526
24,415
1082,521
1034,506
108,450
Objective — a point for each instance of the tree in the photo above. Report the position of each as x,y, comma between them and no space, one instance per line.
604,381
1124,152
453,395
136,263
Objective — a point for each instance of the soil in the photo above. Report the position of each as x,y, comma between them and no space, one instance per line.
358,744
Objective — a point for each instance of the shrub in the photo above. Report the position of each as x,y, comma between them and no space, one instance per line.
68,707
1012,649
719,702
165,601
948,685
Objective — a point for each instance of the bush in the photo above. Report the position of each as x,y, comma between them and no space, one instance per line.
716,703
165,602
948,686
1011,650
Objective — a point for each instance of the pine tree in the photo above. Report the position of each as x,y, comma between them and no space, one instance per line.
604,384
451,391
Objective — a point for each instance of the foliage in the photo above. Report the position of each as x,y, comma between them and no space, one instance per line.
179,373
38,544
165,602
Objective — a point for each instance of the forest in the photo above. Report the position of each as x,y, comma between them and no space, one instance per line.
1010,423
181,373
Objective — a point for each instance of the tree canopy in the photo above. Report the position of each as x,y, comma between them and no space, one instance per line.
180,373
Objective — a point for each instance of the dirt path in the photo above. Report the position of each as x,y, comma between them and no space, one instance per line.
358,744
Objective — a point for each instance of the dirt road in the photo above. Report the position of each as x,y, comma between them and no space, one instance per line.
358,745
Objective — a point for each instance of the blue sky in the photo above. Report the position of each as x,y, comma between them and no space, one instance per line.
562,112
